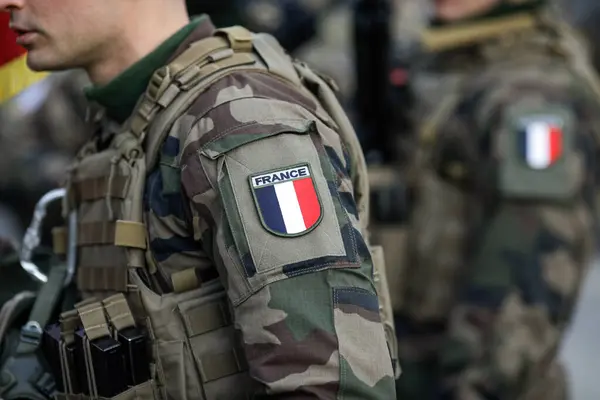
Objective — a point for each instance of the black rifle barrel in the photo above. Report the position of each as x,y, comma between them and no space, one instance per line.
372,37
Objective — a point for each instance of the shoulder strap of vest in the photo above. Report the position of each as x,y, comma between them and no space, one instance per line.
13,308
22,375
324,92
451,37
174,87
174,81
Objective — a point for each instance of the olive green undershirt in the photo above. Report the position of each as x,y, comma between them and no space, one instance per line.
120,95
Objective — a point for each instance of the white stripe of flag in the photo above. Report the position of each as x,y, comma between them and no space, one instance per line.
290,207
542,144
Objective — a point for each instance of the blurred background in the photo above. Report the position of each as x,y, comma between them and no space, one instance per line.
42,116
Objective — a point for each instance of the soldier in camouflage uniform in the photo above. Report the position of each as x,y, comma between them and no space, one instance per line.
242,254
503,186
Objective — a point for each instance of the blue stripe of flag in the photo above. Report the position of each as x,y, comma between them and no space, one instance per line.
269,208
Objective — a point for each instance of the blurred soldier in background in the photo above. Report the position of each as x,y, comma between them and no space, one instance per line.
41,129
502,187
585,15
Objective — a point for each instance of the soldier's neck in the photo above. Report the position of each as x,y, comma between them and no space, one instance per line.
138,40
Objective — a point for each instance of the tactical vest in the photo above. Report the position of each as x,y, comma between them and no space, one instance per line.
194,353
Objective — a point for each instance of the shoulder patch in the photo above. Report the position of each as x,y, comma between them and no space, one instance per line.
537,153
276,189
286,200
540,140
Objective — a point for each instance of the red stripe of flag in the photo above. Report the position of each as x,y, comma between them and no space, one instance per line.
9,50
555,143
309,203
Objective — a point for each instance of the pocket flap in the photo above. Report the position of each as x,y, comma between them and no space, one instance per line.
251,132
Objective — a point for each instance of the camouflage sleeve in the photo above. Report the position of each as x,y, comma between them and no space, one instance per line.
531,256
269,187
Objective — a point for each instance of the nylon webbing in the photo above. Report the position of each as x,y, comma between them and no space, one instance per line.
96,188
119,313
93,320
42,310
206,318
198,51
235,60
130,234
94,279
185,280
68,324
216,366
12,308
96,233
163,78
59,240
240,38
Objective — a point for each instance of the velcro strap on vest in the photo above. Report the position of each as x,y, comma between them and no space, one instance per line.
89,300
161,82
240,38
236,60
201,50
94,321
217,366
120,233
206,318
192,278
96,233
200,60
97,188
59,240
130,234
119,313
94,279
68,323
185,280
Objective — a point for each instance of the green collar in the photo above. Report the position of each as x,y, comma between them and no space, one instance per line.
120,95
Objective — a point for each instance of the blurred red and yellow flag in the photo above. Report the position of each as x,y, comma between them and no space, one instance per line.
15,76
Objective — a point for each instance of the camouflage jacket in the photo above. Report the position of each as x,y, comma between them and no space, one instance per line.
300,277
502,227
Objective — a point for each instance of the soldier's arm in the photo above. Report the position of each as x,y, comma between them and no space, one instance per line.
270,188
531,256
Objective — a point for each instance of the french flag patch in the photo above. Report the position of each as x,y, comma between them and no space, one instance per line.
287,200
541,143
